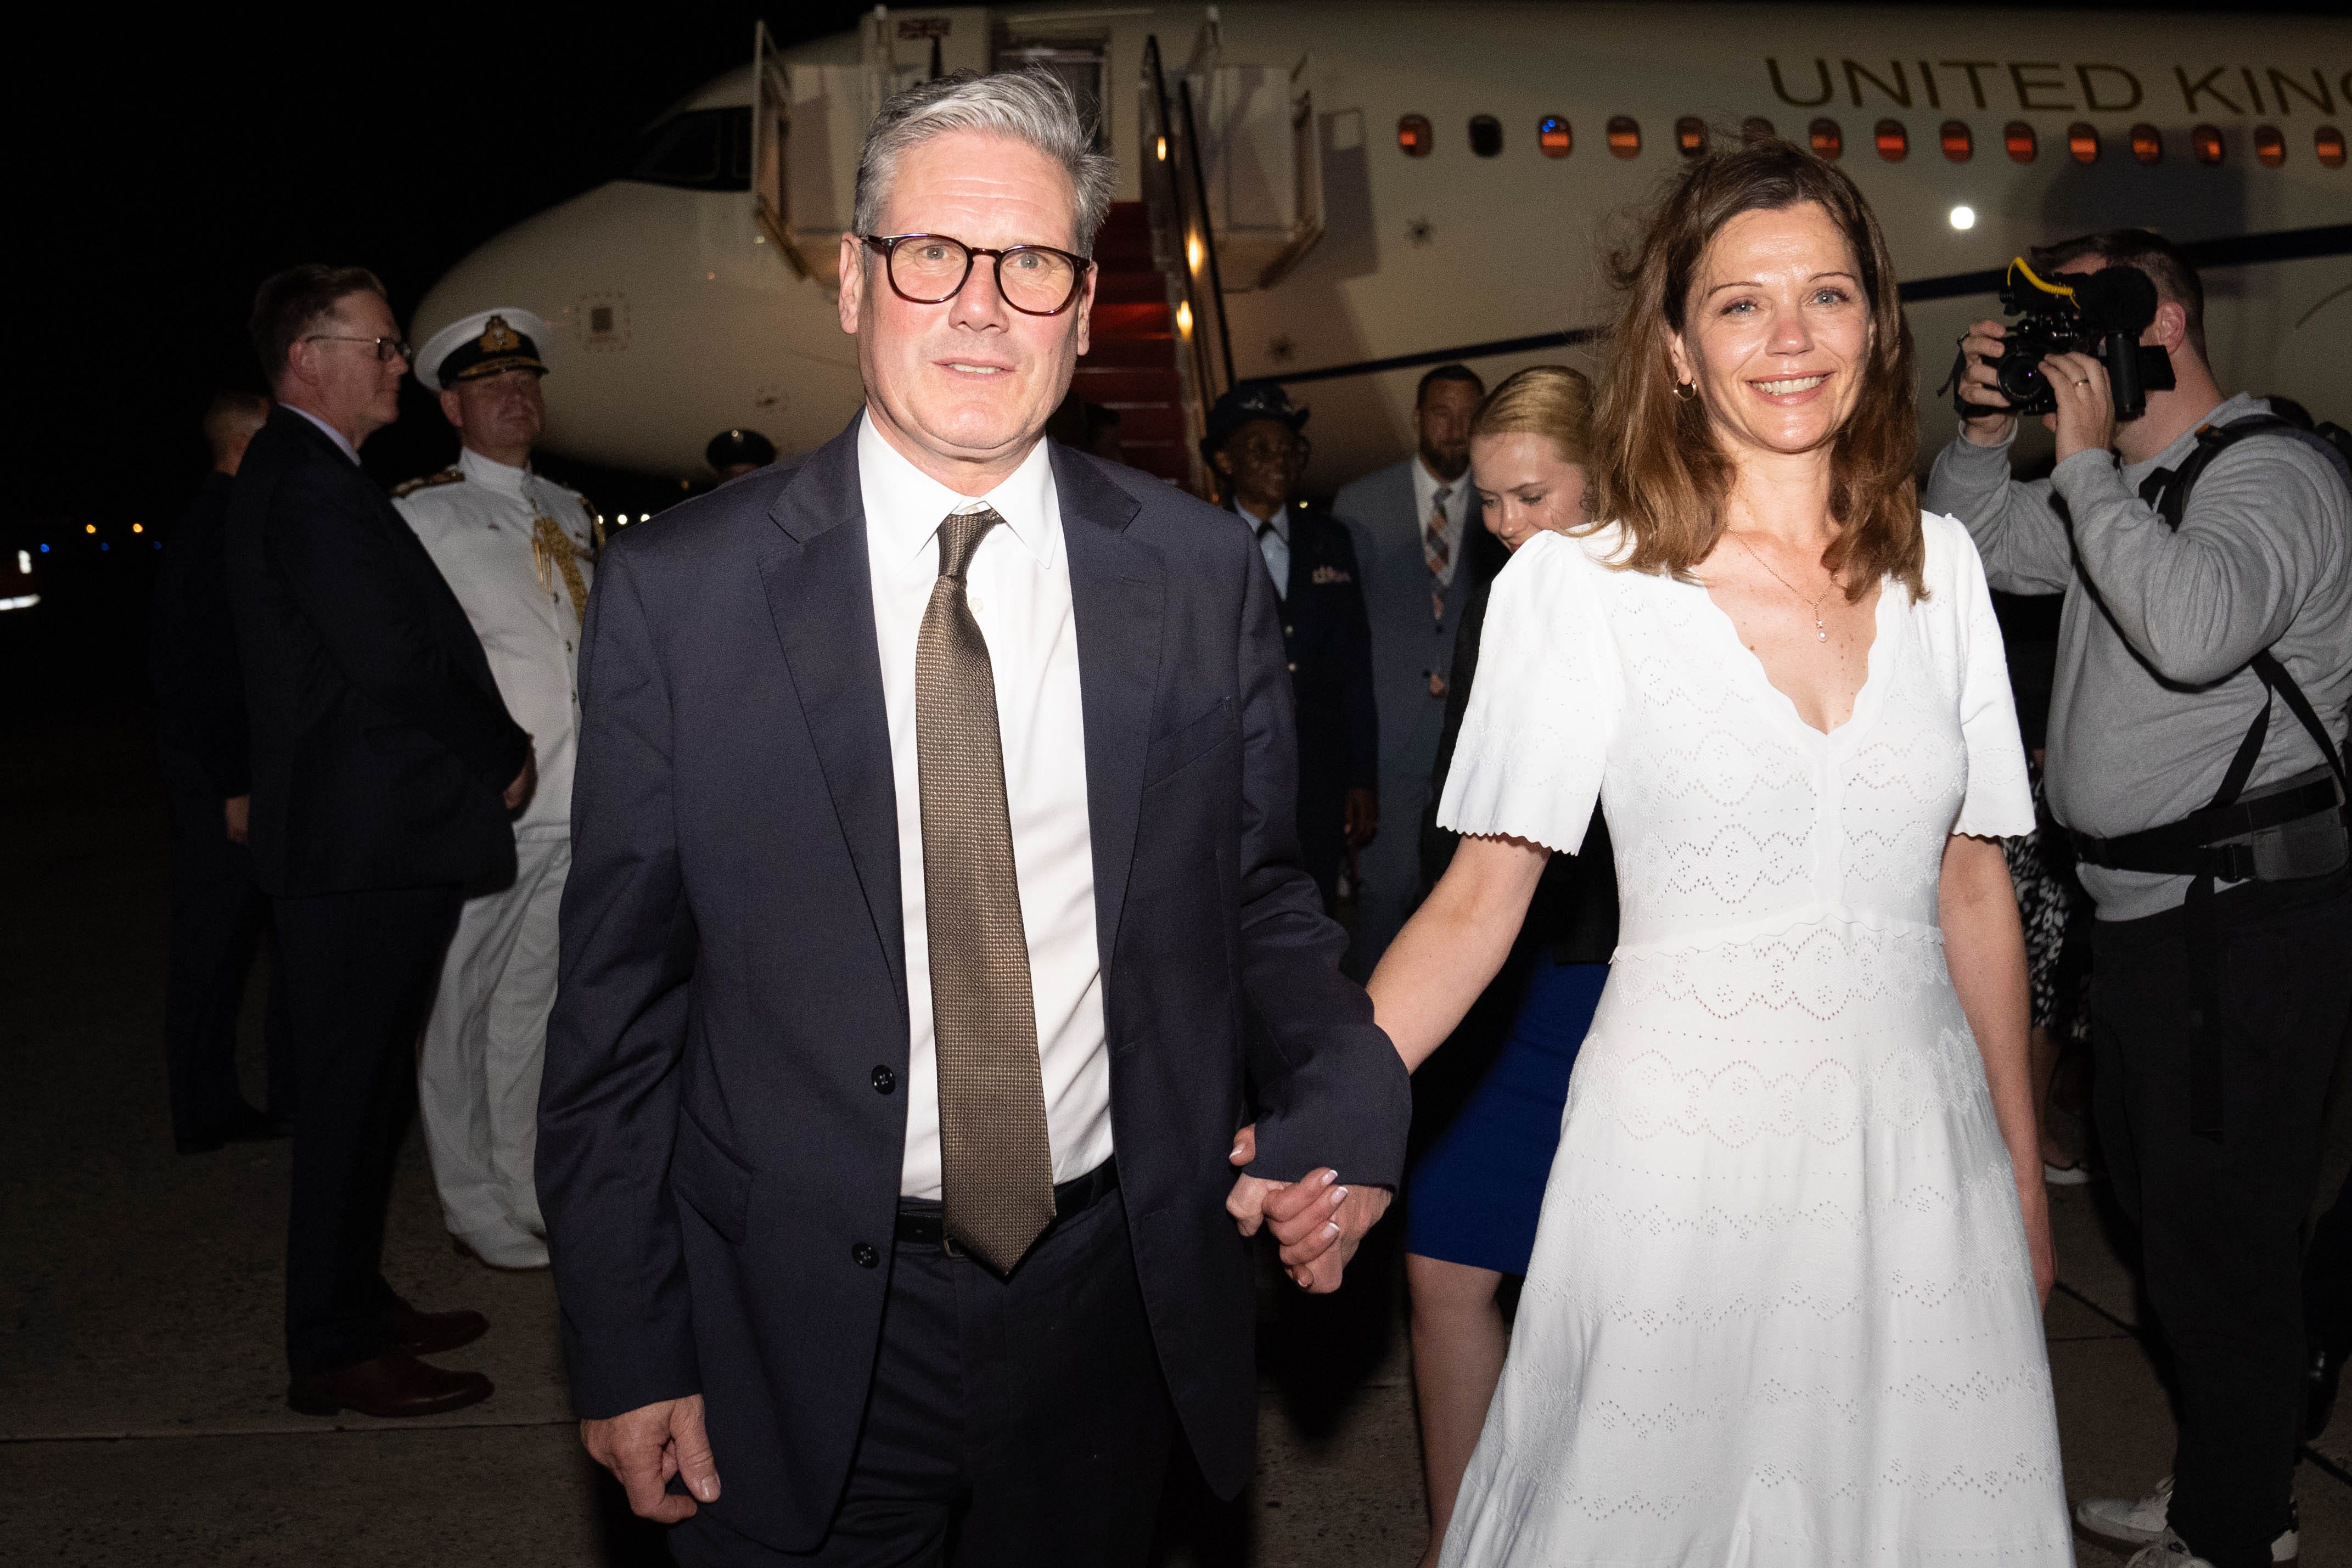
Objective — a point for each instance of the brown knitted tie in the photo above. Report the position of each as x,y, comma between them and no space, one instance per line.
996,1163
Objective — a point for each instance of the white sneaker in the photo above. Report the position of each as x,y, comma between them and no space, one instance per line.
2167,1551
2143,1523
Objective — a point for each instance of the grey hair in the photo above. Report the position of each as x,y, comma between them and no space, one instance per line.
1031,105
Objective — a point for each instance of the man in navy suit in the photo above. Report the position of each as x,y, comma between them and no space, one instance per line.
933,840
384,767
1255,446
1411,524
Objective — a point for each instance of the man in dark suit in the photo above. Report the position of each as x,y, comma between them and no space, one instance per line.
201,743
931,839
1412,523
385,768
1255,446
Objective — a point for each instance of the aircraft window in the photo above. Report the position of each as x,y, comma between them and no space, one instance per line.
2018,137
1553,136
1414,135
1894,141
1624,136
1485,135
1755,128
2205,142
706,150
2082,142
2328,142
2147,144
1690,135
2270,147
1959,142
1828,139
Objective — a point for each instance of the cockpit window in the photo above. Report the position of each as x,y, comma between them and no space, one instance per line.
704,149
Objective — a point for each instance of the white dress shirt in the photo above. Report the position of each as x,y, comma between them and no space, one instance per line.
1426,485
478,531
342,442
1273,542
1018,586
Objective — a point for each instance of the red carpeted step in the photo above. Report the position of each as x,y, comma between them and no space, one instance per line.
1157,352
1117,385
1142,318
1129,287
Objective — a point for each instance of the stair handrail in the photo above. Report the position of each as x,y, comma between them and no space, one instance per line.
1186,197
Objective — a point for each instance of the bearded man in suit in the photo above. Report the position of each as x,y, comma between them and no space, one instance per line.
933,842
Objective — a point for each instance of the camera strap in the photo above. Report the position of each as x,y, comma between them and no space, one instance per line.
2195,844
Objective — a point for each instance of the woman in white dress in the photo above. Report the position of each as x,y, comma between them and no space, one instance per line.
1785,1303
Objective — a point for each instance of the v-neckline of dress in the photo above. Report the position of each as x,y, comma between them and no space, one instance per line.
1863,696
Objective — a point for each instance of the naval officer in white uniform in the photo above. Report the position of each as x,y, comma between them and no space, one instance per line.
519,552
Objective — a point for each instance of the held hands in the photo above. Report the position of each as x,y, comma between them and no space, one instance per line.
1319,1222
647,1445
524,783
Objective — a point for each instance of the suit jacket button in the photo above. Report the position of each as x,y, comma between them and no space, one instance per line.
1287,630
884,1081
1294,667
863,1255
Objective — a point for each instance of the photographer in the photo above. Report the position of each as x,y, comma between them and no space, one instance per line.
2200,647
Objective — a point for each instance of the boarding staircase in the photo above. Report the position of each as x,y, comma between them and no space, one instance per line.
1131,366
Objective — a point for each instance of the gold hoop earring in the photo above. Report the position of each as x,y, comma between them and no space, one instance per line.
1686,391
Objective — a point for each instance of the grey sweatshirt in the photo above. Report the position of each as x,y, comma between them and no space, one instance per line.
2153,694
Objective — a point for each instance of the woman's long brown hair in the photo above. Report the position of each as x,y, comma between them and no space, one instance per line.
1657,467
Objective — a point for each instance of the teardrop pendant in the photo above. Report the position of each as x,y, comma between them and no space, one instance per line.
1820,629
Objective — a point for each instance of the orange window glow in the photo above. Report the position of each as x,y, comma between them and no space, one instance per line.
2017,137
1690,135
1894,141
2270,147
2328,142
2205,142
2082,142
1827,139
2147,144
1554,137
1413,137
1959,144
1624,137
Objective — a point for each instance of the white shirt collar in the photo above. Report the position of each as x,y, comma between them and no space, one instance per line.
1280,520
906,506
333,435
490,474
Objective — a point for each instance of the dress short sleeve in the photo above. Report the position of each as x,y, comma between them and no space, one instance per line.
2000,800
1544,706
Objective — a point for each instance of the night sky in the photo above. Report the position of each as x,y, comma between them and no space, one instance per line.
162,167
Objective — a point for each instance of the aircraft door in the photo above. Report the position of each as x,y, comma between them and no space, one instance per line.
1262,169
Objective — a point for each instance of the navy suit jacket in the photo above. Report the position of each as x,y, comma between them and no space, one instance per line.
718,1171
380,748
1328,643
1408,643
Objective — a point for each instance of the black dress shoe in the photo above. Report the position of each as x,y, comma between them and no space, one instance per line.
394,1384
430,1334
2321,1376
244,1126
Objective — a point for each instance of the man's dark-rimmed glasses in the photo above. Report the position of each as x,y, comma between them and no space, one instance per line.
931,270
386,349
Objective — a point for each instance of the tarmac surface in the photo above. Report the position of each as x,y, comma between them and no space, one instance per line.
141,1411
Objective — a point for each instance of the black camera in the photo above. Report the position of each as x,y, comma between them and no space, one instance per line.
2100,314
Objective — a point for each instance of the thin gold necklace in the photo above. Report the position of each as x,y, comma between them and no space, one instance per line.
1821,628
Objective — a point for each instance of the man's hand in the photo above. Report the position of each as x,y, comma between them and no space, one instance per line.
650,1444
1363,817
1319,1222
1980,386
237,813
525,782
2086,404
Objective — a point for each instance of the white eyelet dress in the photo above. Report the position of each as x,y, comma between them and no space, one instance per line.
1781,1313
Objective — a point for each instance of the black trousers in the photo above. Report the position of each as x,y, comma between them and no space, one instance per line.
217,917
2327,1277
1019,1422
2221,1225
359,976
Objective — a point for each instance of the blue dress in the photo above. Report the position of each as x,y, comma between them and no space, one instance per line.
1474,1197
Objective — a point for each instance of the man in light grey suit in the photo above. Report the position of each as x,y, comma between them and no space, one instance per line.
1408,523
